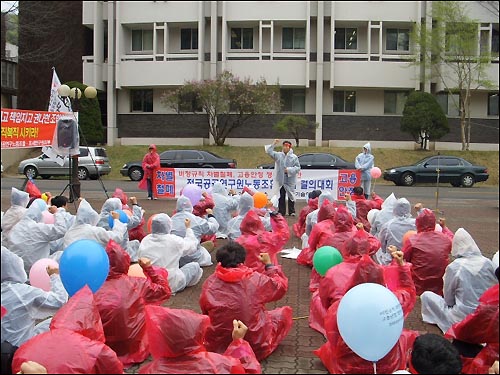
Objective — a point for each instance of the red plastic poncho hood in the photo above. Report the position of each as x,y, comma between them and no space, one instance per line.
119,260
251,224
326,211
361,243
426,221
343,220
232,275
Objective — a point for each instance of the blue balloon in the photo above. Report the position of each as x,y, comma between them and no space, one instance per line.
123,218
370,320
84,262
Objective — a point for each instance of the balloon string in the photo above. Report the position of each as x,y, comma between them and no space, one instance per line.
374,367
300,317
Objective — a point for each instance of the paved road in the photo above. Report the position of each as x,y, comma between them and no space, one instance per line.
474,209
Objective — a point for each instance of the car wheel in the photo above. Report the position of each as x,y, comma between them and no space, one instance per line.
30,172
467,180
135,174
45,176
83,174
408,179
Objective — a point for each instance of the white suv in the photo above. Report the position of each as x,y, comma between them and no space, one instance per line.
92,163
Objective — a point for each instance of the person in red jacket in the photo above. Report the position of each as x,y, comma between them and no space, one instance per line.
75,342
363,205
255,239
235,291
150,162
176,339
429,252
121,301
337,357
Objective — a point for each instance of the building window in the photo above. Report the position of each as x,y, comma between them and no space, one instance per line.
456,34
449,103
394,102
142,40
493,104
344,101
241,38
494,41
293,100
188,103
189,38
397,40
346,38
293,38
142,100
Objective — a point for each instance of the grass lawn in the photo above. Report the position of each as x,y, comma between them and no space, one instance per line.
250,157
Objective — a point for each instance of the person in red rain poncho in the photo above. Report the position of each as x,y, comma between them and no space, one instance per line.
337,357
150,162
363,205
255,239
121,301
332,285
75,342
200,210
429,252
299,228
235,291
479,328
176,340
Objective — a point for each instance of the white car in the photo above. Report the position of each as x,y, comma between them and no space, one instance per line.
92,163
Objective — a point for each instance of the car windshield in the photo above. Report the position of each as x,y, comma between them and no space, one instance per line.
214,155
423,160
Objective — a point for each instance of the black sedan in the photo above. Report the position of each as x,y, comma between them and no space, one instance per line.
318,160
451,169
179,159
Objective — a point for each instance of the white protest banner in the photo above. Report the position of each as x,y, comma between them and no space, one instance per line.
168,182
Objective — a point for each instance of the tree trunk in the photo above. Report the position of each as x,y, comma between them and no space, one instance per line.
462,123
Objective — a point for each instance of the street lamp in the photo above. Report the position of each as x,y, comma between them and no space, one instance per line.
73,95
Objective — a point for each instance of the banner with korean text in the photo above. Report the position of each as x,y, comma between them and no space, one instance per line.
168,182
24,129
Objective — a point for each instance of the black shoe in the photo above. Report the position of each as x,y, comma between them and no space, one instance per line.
292,214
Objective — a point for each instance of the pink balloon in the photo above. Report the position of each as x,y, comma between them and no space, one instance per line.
48,218
193,192
375,172
38,273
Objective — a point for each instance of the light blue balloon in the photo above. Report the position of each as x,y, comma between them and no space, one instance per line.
84,262
123,218
370,320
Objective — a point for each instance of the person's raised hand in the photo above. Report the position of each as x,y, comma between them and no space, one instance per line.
115,215
360,226
347,197
144,262
209,211
51,270
239,329
52,209
494,368
265,258
187,223
391,249
418,206
133,200
442,221
204,194
32,367
276,141
398,255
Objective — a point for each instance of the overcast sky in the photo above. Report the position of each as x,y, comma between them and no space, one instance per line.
6,5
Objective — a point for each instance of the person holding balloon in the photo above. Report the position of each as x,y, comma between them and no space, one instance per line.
200,227
245,205
165,250
364,324
85,227
286,168
26,305
364,162
121,301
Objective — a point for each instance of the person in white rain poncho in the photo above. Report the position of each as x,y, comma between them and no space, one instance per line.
200,227
385,214
364,162
392,232
26,304
165,250
286,168
85,227
114,204
224,206
465,280
30,238
18,202
246,204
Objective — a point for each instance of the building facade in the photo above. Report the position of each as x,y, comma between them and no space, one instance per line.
344,65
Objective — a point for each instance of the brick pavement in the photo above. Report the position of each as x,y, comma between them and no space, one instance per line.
294,354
